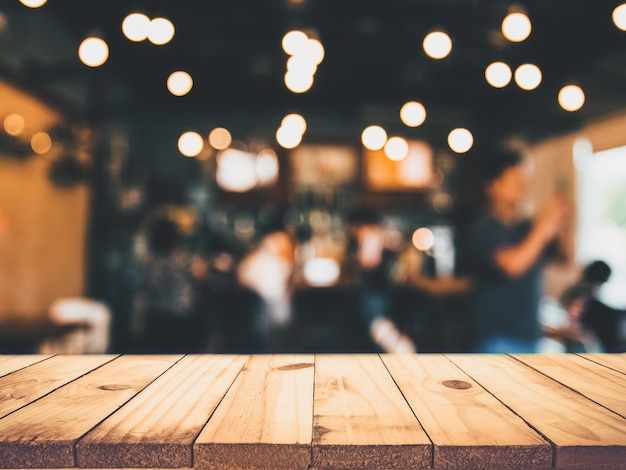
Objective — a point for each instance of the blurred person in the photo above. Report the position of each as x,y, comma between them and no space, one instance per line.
374,283
591,320
268,270
167,298
507,254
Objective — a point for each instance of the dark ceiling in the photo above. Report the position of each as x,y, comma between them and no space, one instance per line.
374,62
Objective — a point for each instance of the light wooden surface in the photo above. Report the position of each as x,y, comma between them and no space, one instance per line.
314,411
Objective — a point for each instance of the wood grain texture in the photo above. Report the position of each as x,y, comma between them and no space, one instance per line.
43,433
265,419
584,435
602,385
11,363
158,426
30,383
361,419
613,361
469,428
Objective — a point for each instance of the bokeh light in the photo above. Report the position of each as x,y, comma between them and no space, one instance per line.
571,98
236,171
294,41
396,149
14,124
295,122
33,3
516,27
423,239
619,16
41,142
498,74
437,44
136,27
374,137
460,140
179,83
321,272
267,167
298,81
413,114
190,144
288,138
220,138
93,52
528,76
161,31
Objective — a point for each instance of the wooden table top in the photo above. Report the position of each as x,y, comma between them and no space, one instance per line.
355,411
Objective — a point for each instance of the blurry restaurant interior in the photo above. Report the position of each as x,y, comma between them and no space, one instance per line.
235,119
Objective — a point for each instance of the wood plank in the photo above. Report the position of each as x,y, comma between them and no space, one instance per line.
30,383
584,435
602,385
615,361
265,420
11,363
158,426
469,428
43,434
361,419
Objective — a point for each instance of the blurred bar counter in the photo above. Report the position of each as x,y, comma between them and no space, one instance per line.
313,411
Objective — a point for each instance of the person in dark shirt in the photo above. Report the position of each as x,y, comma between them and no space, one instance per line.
507,255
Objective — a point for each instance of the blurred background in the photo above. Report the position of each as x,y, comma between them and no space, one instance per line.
232,168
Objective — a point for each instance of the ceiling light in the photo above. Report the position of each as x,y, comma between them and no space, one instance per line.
179,83
516,27
437,45
373,137
460,140
571,98
498,74
190,144
396,149
619,16
413,114
136,27
161,31
528,76
93,52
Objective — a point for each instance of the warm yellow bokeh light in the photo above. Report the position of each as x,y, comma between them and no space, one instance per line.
294,41
220,138
179,83
93,52
460,140
161,31
619,16
498,74
413,114
302,64
423,239
528,76
396,149
298,81
41,142
33,3
516,27
14,124
136,27
571,98
236,171
374,137
267,167
190,144
315,51
295,122
288,138
437,45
